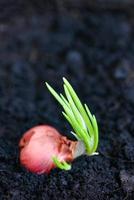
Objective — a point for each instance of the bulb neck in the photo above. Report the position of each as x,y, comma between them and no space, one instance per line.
79,150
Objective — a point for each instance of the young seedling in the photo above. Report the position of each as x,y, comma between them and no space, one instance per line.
44,148
83,123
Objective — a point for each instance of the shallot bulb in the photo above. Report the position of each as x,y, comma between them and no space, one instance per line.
40,144
43,148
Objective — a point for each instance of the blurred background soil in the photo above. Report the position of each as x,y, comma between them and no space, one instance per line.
91,43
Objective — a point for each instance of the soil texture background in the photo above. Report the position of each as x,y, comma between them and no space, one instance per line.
94,50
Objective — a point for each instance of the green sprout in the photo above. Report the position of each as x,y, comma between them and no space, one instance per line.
84,124
62,165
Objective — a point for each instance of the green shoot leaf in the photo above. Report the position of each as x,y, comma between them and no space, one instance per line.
84,124
62,165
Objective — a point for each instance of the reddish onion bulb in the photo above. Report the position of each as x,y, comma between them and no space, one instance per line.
38,146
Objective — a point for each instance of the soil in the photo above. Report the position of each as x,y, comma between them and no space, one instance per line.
94,51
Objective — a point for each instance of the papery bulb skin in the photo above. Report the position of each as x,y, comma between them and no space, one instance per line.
40,144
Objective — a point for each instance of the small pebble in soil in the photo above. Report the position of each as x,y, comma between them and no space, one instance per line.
75,63
127,181
122,70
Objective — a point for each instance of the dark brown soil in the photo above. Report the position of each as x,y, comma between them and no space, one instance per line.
95,51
